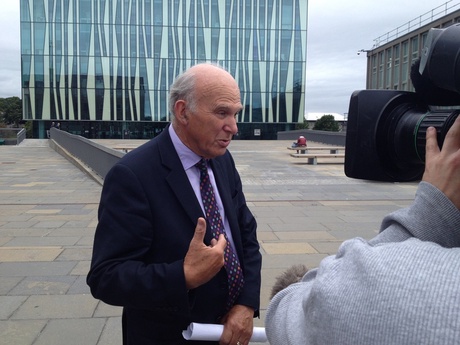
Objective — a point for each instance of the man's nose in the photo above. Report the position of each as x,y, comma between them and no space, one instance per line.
231,125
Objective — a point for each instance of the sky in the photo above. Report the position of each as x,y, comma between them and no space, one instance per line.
337,30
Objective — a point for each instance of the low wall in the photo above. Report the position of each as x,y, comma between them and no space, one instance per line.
97,160
92,158
12,136
325,137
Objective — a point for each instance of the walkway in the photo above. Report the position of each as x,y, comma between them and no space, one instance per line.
48,213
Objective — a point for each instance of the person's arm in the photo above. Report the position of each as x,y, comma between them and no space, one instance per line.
435,209
382,279
121,273
432,217
375,280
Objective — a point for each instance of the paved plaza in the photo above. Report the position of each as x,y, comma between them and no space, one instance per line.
48,214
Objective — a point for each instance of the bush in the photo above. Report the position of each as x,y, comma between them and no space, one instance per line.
327,123
11,111
29,129
303,125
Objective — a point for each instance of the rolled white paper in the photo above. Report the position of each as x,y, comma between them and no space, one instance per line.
212,332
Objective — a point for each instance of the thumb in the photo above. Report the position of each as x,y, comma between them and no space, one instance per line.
200,230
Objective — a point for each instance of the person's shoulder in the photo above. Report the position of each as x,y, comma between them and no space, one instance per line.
141,157
226,158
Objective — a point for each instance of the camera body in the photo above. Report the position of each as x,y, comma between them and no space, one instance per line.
386,128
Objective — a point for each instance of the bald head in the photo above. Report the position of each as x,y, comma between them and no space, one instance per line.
204,104
191,84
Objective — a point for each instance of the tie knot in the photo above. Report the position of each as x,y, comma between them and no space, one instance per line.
202,165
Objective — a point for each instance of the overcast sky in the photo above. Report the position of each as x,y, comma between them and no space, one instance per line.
337,29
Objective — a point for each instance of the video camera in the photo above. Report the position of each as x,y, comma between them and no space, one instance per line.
386,128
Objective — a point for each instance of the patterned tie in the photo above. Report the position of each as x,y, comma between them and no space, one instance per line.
232,266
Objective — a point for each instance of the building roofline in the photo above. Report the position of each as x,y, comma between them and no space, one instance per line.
417,23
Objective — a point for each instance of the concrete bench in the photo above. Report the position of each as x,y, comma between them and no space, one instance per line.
313,157
316,148
299,149
125,148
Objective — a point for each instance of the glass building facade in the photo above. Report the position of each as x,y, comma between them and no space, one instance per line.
102,68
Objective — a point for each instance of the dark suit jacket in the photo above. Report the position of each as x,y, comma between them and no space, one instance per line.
147,217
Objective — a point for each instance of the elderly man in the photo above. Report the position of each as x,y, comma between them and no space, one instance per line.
160,250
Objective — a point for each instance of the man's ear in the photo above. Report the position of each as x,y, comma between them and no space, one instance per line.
180,112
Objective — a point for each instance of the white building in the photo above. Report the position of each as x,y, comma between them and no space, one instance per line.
312,117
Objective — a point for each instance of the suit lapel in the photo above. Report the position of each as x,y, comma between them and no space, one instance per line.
177,178
178,181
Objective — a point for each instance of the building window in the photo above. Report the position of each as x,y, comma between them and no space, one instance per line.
381,70
405,65
374,71
388,62
396,66
121,56
414,48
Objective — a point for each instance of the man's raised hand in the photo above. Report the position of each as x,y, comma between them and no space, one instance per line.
203,262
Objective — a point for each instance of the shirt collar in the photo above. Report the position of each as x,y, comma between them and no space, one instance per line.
187,157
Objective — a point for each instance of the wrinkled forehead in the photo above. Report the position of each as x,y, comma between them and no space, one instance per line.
218,83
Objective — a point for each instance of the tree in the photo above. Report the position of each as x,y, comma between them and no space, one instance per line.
303,125
29,126
327,123
11,110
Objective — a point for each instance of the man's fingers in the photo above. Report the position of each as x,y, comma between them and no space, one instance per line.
431,143
442,166
221,242
452,141
200,231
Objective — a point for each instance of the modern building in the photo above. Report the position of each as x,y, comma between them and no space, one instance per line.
102,68
390,59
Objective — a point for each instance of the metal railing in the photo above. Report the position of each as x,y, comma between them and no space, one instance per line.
416,23
12,136
97,157
20,136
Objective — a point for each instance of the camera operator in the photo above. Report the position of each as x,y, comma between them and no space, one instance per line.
402,287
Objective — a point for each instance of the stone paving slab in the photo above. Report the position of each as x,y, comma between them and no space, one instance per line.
48,214
20,332
29,254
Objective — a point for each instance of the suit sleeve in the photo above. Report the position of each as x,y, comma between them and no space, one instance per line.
122,273
427,219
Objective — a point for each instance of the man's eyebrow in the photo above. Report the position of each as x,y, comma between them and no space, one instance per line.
240,108
227,107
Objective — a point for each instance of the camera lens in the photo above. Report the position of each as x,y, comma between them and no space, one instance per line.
442,121
402,139
386,134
